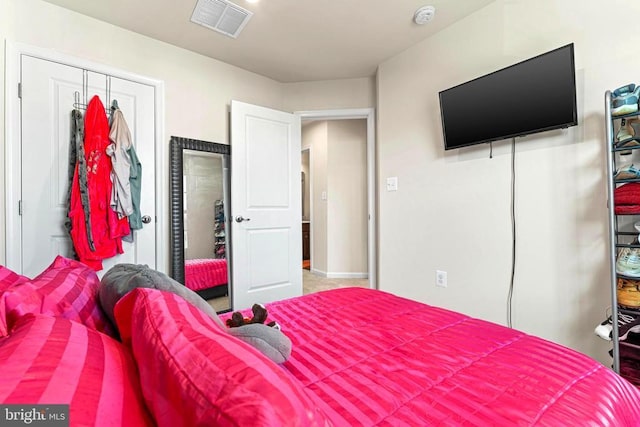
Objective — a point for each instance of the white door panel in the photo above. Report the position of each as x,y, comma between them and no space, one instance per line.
136,102
268,168
267,245
47,100
48,95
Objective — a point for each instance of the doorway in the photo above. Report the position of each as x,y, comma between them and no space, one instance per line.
305,184
338,198
263,244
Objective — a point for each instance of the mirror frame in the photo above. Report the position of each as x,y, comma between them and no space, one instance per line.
176,166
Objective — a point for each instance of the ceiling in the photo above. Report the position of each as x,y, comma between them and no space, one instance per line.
289,40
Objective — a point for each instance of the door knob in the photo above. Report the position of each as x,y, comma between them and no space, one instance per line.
239,218
146,219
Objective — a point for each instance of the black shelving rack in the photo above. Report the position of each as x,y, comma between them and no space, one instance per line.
618,239
220,232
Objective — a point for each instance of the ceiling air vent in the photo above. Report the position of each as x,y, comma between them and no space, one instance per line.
222,16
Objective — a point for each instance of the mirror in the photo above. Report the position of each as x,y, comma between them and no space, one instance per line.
199,218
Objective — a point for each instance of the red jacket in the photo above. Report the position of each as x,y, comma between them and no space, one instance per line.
107,229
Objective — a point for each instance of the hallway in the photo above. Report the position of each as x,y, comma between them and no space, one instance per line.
313,283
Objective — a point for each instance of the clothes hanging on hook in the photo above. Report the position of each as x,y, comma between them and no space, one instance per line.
118,151
127,171
78,165
135,181
124,172
106,227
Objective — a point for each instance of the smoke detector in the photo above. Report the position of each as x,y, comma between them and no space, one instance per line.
221,16
424,15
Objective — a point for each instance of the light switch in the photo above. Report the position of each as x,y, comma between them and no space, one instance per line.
324,195
392,183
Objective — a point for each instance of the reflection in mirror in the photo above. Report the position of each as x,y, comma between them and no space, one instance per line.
199,195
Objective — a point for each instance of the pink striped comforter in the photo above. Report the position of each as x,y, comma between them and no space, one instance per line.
202,274
369,358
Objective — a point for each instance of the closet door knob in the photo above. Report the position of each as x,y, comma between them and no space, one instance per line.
240,219
146,219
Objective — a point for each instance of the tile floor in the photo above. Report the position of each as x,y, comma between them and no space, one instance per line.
311,283
314,283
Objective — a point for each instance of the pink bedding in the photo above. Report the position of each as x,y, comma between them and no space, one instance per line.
52,360
193,373
202,274
370,358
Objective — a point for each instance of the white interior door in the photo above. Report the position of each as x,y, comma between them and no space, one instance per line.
47,100
266,217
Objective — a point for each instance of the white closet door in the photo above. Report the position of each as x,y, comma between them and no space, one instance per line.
47,100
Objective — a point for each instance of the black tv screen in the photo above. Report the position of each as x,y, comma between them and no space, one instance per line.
531,96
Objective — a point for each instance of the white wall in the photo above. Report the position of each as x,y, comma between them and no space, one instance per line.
457,202
314,137
347,202
306,188
330,94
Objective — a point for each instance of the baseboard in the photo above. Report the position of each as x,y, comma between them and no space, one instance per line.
339,275
347,275
318,272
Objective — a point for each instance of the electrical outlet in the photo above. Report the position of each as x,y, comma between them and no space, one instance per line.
441,279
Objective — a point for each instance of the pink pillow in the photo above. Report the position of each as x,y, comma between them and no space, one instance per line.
67,289
9,278
50,360
194,373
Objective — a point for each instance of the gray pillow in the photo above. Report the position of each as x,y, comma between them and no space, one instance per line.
269,341
122,278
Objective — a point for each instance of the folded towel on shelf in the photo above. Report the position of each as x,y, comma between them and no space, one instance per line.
627,199
627,209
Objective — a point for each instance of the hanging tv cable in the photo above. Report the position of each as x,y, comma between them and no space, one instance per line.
513,232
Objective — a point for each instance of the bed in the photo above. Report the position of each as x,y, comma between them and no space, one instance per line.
369,358
360,357
207,277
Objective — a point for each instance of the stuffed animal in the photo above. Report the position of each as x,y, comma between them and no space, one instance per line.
268,338
259,316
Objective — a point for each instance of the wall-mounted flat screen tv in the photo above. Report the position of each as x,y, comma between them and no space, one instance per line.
534,95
